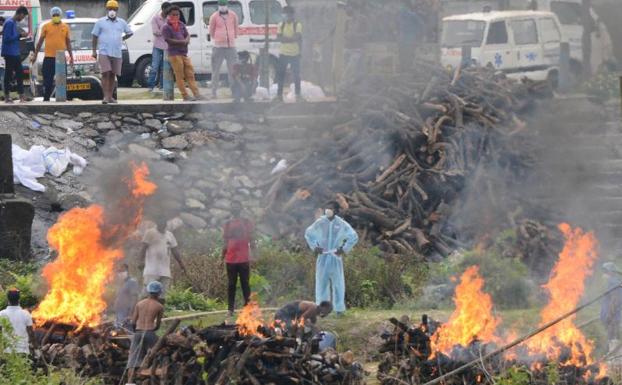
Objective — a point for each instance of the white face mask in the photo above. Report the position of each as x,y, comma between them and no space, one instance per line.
112,13
329,213
223,8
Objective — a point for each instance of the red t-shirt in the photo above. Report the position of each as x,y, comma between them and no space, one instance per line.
238,233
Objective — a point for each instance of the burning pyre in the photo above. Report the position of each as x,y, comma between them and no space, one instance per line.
420,353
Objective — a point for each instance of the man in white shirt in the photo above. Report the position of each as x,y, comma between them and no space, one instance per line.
21,321
158,245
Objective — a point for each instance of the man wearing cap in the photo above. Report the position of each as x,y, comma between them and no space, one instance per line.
290,36
223,30
146,319
611,307
21,321
56,36
109,33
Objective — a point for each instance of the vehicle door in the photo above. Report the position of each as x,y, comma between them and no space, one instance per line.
551,38
209,7
498,50
189,16
528,50
253,32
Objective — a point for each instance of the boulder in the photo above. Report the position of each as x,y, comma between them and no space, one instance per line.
193,221
142,152
154,124
230,127
195,194
68,124
177,142
105,126
179,126
194,204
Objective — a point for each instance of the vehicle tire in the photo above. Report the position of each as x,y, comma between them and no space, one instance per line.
142,71
125,81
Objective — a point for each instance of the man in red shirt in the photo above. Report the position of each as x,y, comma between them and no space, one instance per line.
239,243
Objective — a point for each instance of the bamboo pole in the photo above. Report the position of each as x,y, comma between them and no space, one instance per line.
208,313
521,339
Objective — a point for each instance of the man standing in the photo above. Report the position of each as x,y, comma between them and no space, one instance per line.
158,245
11,54
21,321
159,46
55,34
611,307
330,237
239,243
109,33
290,36
177,38
127,296
146,318
223,30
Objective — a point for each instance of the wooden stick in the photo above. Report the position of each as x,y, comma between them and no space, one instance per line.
152,352
47,335
207,313
521,339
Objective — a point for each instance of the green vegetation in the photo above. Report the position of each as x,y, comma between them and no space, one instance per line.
23,276
603,86
185,299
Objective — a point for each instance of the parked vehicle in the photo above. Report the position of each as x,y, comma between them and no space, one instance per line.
196,13
519,43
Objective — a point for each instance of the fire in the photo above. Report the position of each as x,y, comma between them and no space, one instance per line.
250,320
89,242
472,319
565,288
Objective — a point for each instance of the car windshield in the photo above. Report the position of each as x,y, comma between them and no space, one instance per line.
458,33
210,7
257,10
81,38
567,13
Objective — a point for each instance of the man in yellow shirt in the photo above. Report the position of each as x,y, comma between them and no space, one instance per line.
56,36
290,36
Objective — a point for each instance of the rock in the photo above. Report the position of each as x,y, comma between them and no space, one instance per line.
105,126
223,204
68,124
166,154
207,125
198,138
194,204
193,221
69,201
177,115
88,143
91,133
41,120
195,194
142,152
179,126
246,181
85,115
132,121
218,214
154,124
146,115
205,185
230,127
178,142
166,168
62,116
195,116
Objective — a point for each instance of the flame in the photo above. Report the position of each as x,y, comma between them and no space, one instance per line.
565,288
250,320
89,241
472,319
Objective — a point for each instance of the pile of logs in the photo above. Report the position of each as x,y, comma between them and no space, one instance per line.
405,150
406,358
216,355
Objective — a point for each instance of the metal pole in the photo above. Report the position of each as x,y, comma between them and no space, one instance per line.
265,51
168,85
60,78
339,45
586,39
564,67
522,339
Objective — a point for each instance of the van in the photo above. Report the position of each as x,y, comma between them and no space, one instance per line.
519,43
251,14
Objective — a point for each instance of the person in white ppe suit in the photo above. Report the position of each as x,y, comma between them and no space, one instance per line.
330,237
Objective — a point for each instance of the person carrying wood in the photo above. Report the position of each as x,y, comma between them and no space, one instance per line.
146,318
331,237
239,245
611,307
297,311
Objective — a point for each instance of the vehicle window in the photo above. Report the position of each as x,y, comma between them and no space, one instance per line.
497,33
209,7
258,11
144,13
525,31
187,12
567,13
550,32
458,33
81,38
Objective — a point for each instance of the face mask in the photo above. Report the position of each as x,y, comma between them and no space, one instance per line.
112,13
55,19
122,275
174,19
223,9
329,213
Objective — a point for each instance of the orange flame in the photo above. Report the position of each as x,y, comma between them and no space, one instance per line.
77,278
565,288
472,319
250,320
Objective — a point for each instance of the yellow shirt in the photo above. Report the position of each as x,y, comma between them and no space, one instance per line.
287,30
55,36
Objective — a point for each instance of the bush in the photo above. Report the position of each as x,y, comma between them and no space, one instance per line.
26,285
178,298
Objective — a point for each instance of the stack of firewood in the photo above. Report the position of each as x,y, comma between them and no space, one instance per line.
405,150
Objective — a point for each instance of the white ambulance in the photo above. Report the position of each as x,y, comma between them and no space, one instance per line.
196,13
519,43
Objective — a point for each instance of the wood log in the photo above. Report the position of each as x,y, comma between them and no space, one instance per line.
158,345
